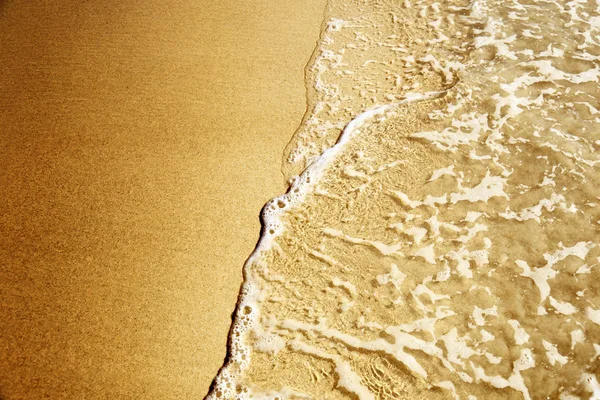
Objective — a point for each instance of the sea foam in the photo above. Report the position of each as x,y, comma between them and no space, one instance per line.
439,238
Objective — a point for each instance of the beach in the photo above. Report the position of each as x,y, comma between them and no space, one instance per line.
139,142
352,200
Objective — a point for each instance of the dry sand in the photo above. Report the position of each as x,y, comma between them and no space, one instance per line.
139,141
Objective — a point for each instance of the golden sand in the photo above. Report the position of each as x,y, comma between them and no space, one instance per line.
139,141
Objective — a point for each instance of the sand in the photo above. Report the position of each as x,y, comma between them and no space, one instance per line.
139,142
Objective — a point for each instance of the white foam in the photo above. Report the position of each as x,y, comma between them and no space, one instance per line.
553,355
417,233
427,253
347,378
521,336
577,336
535,212
348,286
563,307
593,315
395,277
490,186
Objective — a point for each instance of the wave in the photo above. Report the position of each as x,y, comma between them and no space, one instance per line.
441,239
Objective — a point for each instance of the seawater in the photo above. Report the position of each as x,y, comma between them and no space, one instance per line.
440,236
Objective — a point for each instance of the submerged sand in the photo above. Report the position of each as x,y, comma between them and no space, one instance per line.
440,237
139,142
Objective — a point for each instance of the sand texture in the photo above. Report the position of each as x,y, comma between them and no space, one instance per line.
139,141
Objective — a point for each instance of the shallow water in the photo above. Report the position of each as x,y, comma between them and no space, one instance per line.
439,239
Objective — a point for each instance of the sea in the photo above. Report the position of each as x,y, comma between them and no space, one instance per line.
440,235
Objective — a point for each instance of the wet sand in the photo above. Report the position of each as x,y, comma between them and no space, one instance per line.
441,239
139,142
